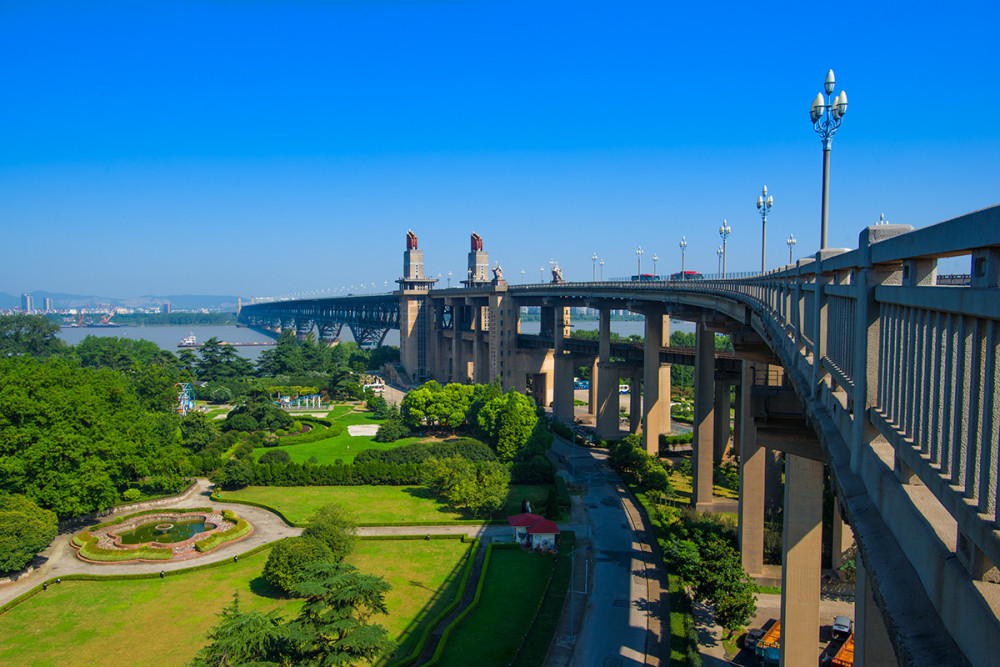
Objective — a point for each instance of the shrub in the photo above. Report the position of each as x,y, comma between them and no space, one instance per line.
25,529
391,431
538,470
240,422
561,429
289,557
241,528
333,526
131,495
275,456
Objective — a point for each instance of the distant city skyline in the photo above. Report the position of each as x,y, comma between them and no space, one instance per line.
279,148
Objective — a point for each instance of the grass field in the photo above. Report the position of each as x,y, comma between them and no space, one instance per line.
514,586
344,446
374,503
163,622
682,485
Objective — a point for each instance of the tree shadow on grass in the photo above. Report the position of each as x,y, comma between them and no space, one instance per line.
263,589
423,493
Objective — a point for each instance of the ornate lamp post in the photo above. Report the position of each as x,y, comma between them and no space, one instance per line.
654,265
594,258
638,261
683,245
602,270
764,203
791,244
826,117
719,253
449,279
724,232
522,276
541,274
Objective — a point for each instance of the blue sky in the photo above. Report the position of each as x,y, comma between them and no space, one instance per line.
264,148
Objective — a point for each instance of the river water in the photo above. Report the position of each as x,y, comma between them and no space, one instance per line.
167,337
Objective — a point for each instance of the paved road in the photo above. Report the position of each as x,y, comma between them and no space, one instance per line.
621,607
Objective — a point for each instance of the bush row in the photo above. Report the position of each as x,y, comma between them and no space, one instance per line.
241,528
332,431
536,642
668,442
439,651
444,613
90,551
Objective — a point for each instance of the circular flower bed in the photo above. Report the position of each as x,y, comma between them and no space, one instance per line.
103,543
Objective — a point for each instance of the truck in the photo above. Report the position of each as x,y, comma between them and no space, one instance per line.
769,646
845,656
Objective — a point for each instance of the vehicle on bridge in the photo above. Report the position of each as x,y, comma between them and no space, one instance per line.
645,276
686,275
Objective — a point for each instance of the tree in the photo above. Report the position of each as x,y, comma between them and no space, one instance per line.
720,580
379,407
198,431
508,422
235,474
275,456
481,488
334,626
334,526
343,385
28,334
287,559
392,430
242,638
25,529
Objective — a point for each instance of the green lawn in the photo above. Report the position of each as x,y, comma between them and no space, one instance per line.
514,586
344,446
163,622
682,485
374,503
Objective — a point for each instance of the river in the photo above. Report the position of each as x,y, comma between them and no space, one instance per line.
167,337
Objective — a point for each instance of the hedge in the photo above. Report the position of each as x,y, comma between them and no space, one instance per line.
90,551
123,577
536,642
161,510
439,651
241,529
252,503
563,491
444,613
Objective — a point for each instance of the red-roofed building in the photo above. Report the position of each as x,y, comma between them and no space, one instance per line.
534,530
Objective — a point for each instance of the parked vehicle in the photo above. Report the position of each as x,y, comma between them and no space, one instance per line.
842,627
753,636
768,647
845,656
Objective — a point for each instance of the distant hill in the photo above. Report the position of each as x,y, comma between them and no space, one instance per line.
179,301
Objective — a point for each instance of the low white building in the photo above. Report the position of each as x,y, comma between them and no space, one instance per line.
534,531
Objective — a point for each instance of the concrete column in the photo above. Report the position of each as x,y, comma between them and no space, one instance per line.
477,346
843,538
801,561
562,401
872,647
634,401
722,428
656,392
592,391
751,519
607,383
457,369
704,382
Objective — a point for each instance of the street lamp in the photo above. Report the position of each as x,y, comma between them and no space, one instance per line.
654,265
683,245
602,270
719,252
541,274
826,118
791,244
594,258
449,279
638,262
764,203
724,232
522,276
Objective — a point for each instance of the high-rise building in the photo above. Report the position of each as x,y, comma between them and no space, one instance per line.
28,304
48,304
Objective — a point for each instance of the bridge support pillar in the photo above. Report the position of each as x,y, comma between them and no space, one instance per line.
872,647
752,456
592,390
635,400
722,430
843,538
704,376
801,561
656,390
477,332
562,400
607,383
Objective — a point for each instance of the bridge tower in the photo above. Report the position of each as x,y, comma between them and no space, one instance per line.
479,263
414,317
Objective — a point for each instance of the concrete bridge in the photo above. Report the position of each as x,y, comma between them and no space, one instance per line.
860,360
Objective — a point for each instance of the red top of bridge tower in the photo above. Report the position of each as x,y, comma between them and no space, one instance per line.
411,240
477,242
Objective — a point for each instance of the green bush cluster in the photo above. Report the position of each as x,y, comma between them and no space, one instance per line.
241,528
539,470
328,430
563,491
668,442
90,551
561,429
631,461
